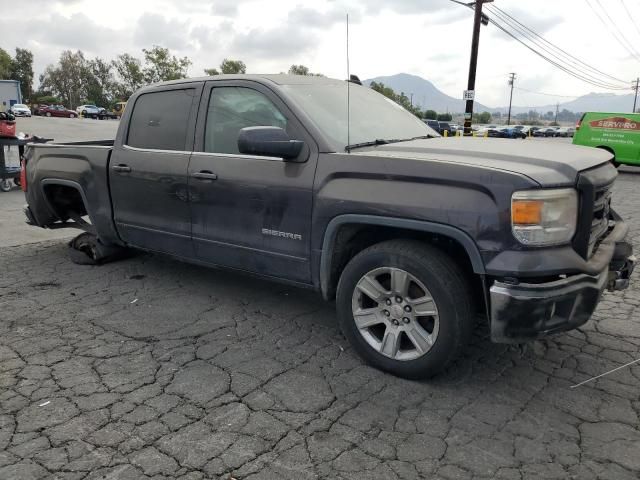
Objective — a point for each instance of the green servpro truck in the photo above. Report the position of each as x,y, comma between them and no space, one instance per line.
618,133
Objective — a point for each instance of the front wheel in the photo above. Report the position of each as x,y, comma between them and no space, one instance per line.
48,114
406,307
5,185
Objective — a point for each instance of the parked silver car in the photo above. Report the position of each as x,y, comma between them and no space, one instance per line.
20,110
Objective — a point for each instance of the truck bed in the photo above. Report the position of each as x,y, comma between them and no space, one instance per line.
63,178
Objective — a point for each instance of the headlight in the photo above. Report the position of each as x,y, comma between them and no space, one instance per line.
544,217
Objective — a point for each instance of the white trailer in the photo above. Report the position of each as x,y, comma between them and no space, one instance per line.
9,94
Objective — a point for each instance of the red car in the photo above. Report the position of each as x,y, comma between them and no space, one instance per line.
56,111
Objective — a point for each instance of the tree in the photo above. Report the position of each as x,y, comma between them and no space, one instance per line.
161,66
401,99
229,66
100,84
129,73
444,117
299,70
302,70
384,90
431,114
68,79
5,65
484,117
22,70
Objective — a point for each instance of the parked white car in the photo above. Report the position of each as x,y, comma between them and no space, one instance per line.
88,110
20,110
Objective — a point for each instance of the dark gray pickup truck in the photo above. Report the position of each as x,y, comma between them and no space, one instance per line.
411,234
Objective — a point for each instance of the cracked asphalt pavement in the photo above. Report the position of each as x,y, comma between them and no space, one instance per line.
149,368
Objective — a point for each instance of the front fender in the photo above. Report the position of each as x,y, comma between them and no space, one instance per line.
415,225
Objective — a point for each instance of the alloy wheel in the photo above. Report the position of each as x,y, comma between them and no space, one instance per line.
395,313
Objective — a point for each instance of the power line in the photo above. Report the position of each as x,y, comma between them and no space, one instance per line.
630,17
619,36
543,93
555,63
505,22
543,43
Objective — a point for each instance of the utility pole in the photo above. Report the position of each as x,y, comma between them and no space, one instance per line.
555,120
635,99
411,99
478,19
511,80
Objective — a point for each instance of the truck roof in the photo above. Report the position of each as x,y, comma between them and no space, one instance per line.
279,79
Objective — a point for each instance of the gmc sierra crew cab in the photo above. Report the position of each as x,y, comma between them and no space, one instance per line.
413,235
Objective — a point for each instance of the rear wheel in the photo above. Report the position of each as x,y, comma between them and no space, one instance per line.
72,115
406,307
86,249
5,185
48,114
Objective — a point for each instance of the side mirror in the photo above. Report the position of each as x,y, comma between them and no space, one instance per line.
269,141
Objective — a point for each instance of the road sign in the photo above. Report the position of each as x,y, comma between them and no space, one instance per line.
469,95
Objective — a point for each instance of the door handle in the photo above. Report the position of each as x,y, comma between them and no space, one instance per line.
205,175
121,168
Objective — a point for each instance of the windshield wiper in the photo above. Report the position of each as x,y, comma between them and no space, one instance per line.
382,141
372,143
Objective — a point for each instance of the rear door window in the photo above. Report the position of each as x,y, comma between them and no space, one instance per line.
160,120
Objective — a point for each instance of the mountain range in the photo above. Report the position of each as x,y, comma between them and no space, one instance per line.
427,96
425,93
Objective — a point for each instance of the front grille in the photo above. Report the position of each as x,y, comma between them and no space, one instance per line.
594,220
600,220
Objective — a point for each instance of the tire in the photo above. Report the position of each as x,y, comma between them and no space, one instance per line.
435,279
5,185
71,115
82,249
48,114
86,249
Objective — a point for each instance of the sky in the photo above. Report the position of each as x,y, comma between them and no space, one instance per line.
429,38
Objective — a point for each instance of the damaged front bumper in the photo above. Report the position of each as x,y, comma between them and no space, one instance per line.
526,310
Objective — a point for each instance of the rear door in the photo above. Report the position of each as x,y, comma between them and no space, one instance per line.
250,212
148,170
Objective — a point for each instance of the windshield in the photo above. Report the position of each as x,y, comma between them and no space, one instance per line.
19,105
373,116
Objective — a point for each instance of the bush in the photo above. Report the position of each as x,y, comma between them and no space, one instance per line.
48,100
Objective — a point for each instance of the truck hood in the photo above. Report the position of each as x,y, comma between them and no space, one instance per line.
547,163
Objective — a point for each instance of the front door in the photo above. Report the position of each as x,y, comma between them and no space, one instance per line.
250,212
148,171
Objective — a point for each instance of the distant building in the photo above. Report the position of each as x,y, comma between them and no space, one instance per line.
9,94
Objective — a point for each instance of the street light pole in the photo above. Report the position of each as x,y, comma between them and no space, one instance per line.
635,99
511,80
473,61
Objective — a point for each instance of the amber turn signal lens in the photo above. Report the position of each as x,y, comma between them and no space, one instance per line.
526,212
